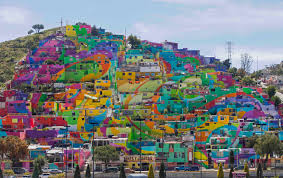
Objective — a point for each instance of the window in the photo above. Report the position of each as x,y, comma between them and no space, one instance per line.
206,124
175,155
160,145
130,74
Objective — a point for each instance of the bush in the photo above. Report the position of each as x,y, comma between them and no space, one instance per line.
246,169
220,173
8,172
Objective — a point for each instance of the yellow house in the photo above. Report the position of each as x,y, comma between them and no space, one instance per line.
102,83
70,31
126,76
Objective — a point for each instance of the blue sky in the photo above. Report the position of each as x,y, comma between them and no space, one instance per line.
254,26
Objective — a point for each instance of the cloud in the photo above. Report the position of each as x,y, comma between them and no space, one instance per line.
14,15
193,2
14,22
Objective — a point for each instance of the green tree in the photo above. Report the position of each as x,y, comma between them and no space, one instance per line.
106,154
150,172
38,27
267,144
1,173
122,171
246,169
251,141
241,72
30,31
271,90
233,71
231,172
35,173
220,173
134,41
94,31
18,149
81,23
162,173
231,158
259,173
77,172
276,100
40,161
227,63
248,81
87,172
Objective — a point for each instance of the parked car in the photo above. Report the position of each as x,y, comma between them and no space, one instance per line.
180,168
55,171
137,176
20,170
129,170
192,168
26,176
239,167
187,168
44,175
111,169
45,170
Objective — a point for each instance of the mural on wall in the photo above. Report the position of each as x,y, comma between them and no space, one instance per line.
99,88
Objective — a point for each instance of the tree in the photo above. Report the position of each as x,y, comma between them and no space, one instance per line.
35,173
276,100
220,173
18,149
233,71
87,172
106,154
40,161
247,81
246,169
38,27
94,31
77,172
231,158
30,31
150,172
134,41
271,90
1,173
259,173
81,23
241,72
122,171
251,141
231,172
246,62
267,144
227,63
3,148
162,173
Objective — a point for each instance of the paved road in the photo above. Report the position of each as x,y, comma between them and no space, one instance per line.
197,174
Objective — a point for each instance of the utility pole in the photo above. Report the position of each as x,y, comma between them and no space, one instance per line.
229,51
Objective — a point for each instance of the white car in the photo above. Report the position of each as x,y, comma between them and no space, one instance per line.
44,175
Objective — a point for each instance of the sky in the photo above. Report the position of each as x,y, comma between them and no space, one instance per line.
254,26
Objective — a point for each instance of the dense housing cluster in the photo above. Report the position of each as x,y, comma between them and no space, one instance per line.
166,103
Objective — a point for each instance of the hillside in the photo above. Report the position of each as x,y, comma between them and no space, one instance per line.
14,50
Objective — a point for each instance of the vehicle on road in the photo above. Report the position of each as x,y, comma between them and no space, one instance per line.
187,168
44,175
111,169
137,176
55,171
26,176
239,167
19,170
